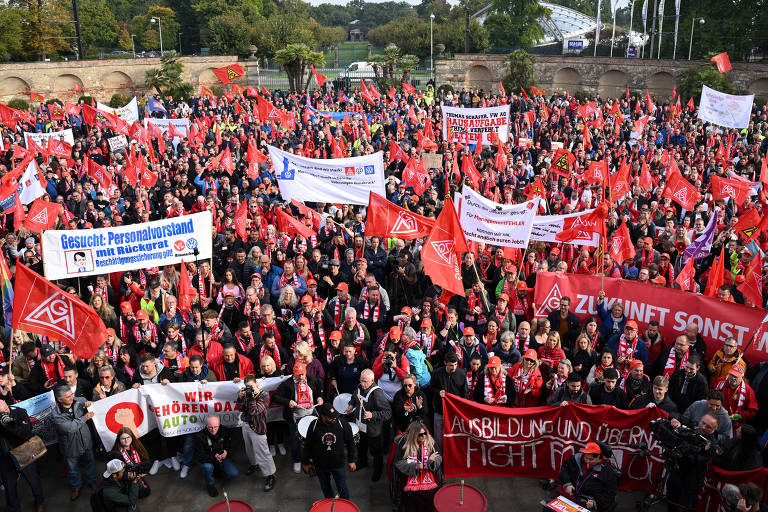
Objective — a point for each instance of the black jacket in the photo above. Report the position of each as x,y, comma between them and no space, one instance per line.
574,327
339,368
455,383
286,392
599,483
665,405
325,443
695,390
402,418
15,432
206,445
599,398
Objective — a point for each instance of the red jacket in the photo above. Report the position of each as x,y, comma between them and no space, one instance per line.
214,353
401,370
749,408
244,365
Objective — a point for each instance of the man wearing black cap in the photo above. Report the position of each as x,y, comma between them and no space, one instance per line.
589,479
47,372
324,450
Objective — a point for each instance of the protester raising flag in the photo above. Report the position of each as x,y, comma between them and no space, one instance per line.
41,307
680,190
319,78
716,275
622,248
441,253
701,247
685,279
42,215
752,287
187,292
582,226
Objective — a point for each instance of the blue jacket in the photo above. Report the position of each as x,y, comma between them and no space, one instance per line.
606,323
641,349
300,290
418,361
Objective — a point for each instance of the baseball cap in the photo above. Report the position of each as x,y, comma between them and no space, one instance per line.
110,331
394,332
522,286
406,310
504,296
736,370
335,335
125,307
468,331
334,262
303,320
299,369
659,280
631,323
592,448
494,362
427,322
327,410
142,314
636,363
648,240
228,294
531,354
554,250
311,282
113,466
342,286
664,255
47,350
306,299
154,284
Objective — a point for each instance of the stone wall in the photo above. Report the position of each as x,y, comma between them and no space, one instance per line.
606,76
101,78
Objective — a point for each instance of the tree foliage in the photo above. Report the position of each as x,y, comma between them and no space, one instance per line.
295,58
12,30
98,24
150,32
41,36
521,71
514,22
228,34
167,79
690,80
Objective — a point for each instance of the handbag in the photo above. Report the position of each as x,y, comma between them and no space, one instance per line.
28,452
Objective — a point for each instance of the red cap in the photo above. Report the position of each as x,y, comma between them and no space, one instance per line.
665,255
736,370
648,240
504,296
142,314
659,280
407,310
631,323
299,369
306,299
592,448
510,268
311,282
427,322
521,286
110,331
335,335
531,354
342,286
554,250
494,362
394,332
125,307
636,363
228,294
303,320
468,331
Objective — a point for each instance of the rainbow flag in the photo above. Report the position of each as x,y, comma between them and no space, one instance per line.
6,290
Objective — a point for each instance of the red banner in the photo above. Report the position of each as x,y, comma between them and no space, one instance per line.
672,308
484,440
711,500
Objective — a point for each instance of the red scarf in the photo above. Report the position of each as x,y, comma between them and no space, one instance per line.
303,397
374,316
132,457
499,384
252,310
283,281
112,354
359,339
670,367
245,347
274,353
490,342
51,369
181,341
425,480
459,352
525,345
471,381
201,284
521,378
742,395
594,340
627,352
427,342
138,332
265,328
309,339
337,310
600,369
520,306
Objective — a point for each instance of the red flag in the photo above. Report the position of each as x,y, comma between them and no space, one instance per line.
18,212
42,215
722,61
597,172
253,155
265,92
680,190
691,106
408,88
148,178
56,112
396,152
41,307
622,247
620,182
582,226
685,278
319,78
95,117
10,182
130,174
241,220
441,253
98,173
763,226
236,89
186,292
173,132
537,92
537,190
645,176
77,86
251,91
562,163
36,97
748,223
469,170
59,148
223,159
307,211
392,93
587,138
716,275
73,110
752,287
292,226
525,96
501,89
414,175
639,126
648,103
206,91
229,73
725,188
627,94
34,147
386,219
764,170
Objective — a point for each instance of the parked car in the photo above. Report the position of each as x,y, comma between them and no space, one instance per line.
359,70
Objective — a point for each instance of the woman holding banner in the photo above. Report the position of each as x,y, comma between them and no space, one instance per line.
527,380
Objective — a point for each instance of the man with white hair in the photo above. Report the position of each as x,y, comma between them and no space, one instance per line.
371,410
355,332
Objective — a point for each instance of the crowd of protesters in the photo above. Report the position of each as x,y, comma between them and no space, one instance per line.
345,313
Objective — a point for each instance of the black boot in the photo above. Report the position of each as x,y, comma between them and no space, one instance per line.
212,491
251,470
269,483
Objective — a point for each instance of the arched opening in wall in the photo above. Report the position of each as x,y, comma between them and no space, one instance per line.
207,77
660,84
64,86
117,81
479,77
759,87
13,86
612,84
566,79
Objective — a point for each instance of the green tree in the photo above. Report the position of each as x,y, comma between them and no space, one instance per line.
228,34
295,58
278,31
690,80
326,36
451,34
124,37
521,71
11,34
411,34
98,24
330,14
150,32
519,18
42,36
167,80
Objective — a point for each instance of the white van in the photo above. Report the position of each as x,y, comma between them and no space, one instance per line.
359,70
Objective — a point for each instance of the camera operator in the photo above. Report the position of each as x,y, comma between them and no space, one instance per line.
253,403
16,429
686,477
119,490
589,479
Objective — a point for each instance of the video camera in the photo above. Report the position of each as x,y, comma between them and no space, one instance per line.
678,445
140,468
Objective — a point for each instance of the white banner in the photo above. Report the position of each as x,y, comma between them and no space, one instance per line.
180,125
117,142
128,113
546,227
725,109
38,138
476,123
482,220
174,409
334,180
71,253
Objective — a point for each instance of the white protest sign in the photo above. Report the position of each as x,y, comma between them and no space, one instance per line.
128,113
725,109
472,124
482,220
334,180
179,125
546,227
117,142
38,138
80,253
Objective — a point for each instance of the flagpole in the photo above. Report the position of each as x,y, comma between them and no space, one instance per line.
597,27
613,32
631,19
677,21
661,28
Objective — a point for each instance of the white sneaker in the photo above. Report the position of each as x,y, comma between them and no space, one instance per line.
272,450
281,448
184,472
175,463
155,468
297,467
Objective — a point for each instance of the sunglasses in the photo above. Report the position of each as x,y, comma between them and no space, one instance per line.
422,434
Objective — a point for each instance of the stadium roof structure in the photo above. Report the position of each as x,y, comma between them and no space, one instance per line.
562,23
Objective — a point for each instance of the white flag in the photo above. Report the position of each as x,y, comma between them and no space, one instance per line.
30,187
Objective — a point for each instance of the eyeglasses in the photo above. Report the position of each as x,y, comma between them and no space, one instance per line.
422,434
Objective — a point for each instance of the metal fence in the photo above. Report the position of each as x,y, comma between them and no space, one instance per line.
337,78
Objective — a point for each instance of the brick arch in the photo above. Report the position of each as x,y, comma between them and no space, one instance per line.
566,79
759,87
660,84
14,86
117,80
63,85
207,77
612,83
479,76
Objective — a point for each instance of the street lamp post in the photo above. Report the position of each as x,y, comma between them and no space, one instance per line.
179,42
160,29
133,45
690,45
431,51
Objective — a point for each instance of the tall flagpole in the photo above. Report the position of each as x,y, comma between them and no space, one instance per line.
631,19
613,31
645,25
598,27
677,21
661,27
